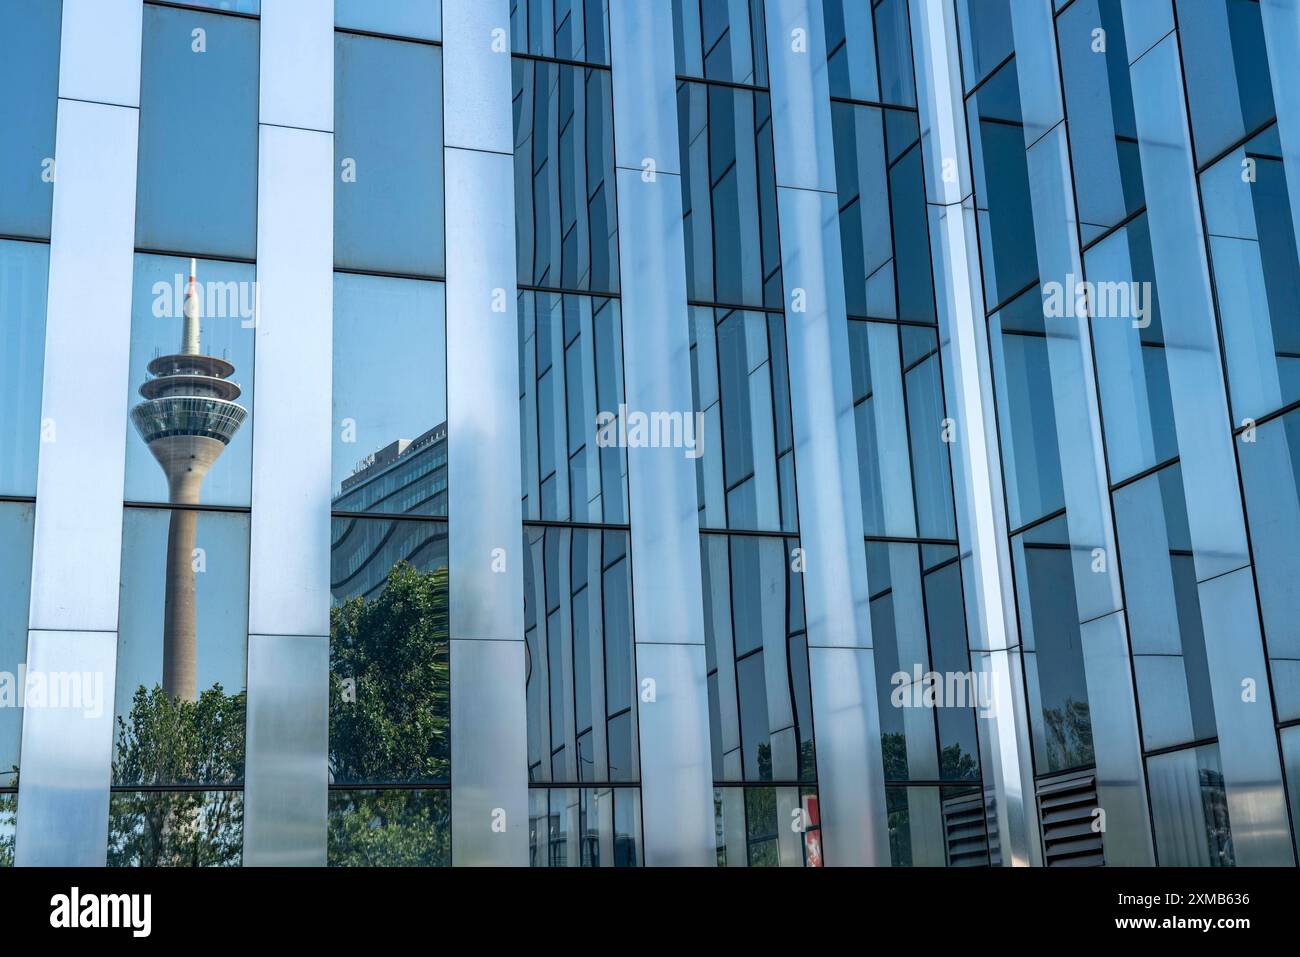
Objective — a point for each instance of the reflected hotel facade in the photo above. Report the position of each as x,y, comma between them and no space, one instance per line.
954,564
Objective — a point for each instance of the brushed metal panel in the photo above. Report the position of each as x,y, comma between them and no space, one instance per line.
67,751
676,764
850,769
296,86
80,470
286,771
476,82
99,56
657,378
483,454
290,538
489,754
802,138
645,90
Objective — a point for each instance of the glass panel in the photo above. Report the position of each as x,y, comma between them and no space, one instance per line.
886,258
1026,411
1001,172
388,197
566,29
1256,274
571,373
985,30
191,382
744,443
721,40
176,829
197,192
16,519
757,660
869,51
1164,611
580,676
8,826
24,272
390,828
390,396
1049,629
584,827
1132,362
231,6
1099,101
729,196
1190,809
421,19
752,828
390,712
182,648
1225,67
29,72
566,222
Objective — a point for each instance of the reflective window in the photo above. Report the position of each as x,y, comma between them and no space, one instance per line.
729,196
1291,762
29,73
936,827
390,713
1225,65
744,451
721,40
927,693
1270,472
190,389
566,222
899,411
389,396
581,671
1006,220
1099,103
197,182
869,50
760,705
767,826
421,19
1164,611
1026,410
1189,809
1128,337
24,269
229,6
389,828
887,272
388,199
985,30
181,690
1248,219
182,648
1059,720
176,829
571,375
16,521
564,29
584,827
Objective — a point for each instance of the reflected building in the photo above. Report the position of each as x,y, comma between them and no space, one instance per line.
188,417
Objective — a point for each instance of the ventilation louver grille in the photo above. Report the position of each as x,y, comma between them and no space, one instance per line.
1065,807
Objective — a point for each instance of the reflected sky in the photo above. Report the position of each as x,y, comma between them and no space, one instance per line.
23,273
16,571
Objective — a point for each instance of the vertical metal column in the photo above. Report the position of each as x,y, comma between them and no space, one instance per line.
76,560
489,728
286,772
992,633
841,663
1234,648
1121,777
668,605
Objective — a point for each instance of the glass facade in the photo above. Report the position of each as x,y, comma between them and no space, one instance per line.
370,391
